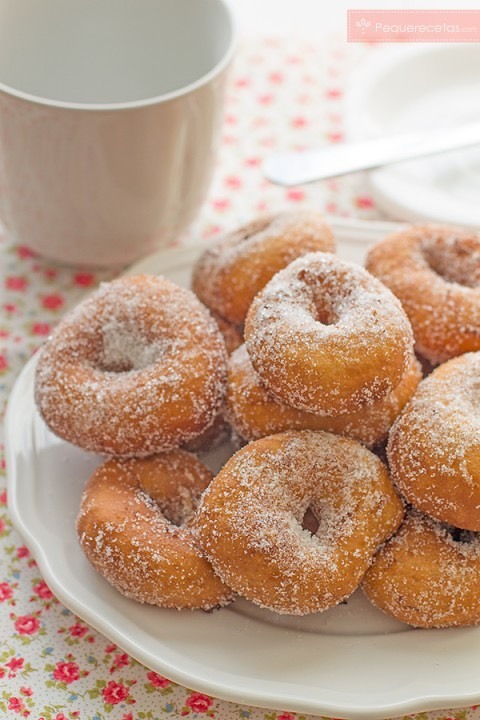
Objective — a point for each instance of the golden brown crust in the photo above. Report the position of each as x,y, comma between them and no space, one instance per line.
427,575
137,368
133,526
232,334
230,273
434,270
434,446
250,519
327,337
254,413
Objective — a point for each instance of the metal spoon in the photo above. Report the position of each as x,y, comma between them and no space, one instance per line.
297,168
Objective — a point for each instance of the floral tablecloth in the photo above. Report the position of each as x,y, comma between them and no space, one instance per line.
282,95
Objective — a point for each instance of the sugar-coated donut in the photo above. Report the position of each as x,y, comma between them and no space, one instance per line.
327,337
254,413
250,519
427,575
230,273
434,446
139,367
435,272
133,526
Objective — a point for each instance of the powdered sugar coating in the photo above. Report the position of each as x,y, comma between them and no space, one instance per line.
435,272
250,519
434,446
229,274
133,526
254,413
427,575
137,368
327,337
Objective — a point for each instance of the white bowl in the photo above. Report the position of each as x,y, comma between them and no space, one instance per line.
419,87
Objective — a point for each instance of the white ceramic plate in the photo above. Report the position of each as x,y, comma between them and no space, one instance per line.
412,88
351,662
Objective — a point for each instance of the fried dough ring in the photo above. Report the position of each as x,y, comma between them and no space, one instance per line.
250,519
133,526
229,274
139,367
327,337
434,270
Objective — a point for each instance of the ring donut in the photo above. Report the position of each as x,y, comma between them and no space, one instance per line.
434,270
327,337
434,446
250,520
229,274
254,413
137,368
133,527
427,575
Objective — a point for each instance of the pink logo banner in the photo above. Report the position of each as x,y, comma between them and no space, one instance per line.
413,25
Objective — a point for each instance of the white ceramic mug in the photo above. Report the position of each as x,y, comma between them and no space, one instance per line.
110,113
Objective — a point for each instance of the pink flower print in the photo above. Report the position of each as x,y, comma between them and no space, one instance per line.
128,716
334,93
78,630
363,201
10,307
253,161
114,693
157,680
242,82
2,525
53,301
233,181
299,121
15,664
26,691
276,77
23,551
295,195
60,716
335,137
265,99
3,363
15,283
198,702
3,497
24,252
6,591
110,648
120,660
66,672
221,204
286,716
43,591
27,624
41,328
16,704
83,279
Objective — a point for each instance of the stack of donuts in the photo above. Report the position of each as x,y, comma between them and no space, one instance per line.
310,361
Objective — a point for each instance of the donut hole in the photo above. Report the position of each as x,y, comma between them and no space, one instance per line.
310,521
322,292
456,260
176,510
124,349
